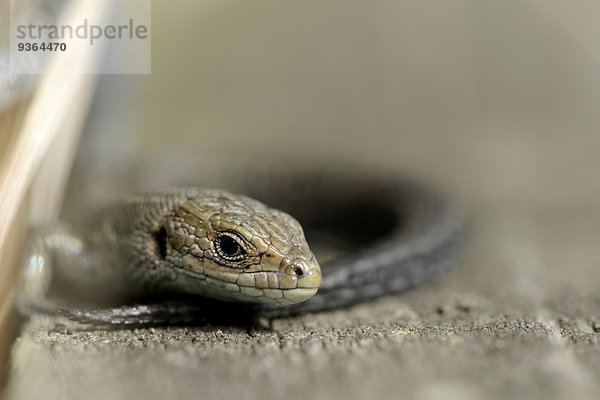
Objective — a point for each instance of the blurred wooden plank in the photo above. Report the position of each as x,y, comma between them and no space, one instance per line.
10,249
52,121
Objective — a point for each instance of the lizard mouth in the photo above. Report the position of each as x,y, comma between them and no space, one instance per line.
244,291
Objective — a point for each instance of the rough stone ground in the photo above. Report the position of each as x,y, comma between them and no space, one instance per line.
519,317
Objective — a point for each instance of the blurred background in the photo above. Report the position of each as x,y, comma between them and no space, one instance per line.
497,102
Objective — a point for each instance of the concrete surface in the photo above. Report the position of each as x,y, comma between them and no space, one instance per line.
520,318
497,101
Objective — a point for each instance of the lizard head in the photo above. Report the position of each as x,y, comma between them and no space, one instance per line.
231,247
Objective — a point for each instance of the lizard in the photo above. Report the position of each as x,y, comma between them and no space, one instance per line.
216,244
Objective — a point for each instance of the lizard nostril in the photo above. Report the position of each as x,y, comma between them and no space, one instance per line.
298,268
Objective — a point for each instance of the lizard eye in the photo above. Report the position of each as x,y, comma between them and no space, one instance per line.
229,247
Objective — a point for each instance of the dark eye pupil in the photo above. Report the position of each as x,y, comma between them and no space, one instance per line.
229,246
